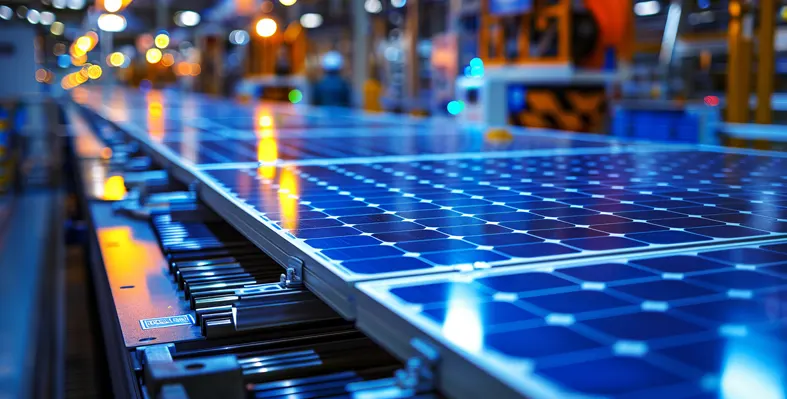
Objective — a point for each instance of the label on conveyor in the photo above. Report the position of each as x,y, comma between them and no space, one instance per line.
169,321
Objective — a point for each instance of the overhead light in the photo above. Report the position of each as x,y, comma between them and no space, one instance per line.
113,5
153,55
373,6
76,4
287,3
57,28
647,8
311,20
59,4
111,23
161,40
398,3
47,18
116,59
6,12
187,18
239,37
266,27
33,16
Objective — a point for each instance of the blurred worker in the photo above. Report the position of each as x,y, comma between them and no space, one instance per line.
332,89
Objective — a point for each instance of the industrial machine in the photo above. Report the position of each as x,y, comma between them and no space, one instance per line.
555,62
268,251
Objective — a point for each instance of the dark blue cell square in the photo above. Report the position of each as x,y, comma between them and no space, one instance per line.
746,256
669,204
387,227
564,212
451,221
610,376
708,356
364,219
756,222
686,223
324,204
432,293
503,239
588,201
603,243
701,210
618,208
728,232
326,232
735,311
628,228
467,256
650,215
542,224
316,223
605,272
364,252
491,313
427,213
679,264
434,245
361,210
385,265
482,209
457,202
408,206
741,279
533,205
536,250
781,248
508,217
644,199
411,235
473,230
668,237
569,233
643,326
341,242
594,219
534,343
576,302
664,290
524,282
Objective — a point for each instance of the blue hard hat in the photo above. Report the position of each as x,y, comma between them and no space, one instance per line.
332,61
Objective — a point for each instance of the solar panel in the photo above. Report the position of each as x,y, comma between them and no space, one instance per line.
385,219
701,324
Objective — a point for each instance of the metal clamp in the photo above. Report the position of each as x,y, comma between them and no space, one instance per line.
199,378
419,370
293,276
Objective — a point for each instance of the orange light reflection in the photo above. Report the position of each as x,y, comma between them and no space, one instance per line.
288,198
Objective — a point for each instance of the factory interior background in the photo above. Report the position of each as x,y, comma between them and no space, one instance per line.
379,199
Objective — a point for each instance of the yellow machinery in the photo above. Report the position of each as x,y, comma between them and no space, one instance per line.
551,62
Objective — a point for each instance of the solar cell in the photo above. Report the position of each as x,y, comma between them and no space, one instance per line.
652,326
459,212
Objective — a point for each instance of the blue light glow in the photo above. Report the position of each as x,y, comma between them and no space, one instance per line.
455,107
477,63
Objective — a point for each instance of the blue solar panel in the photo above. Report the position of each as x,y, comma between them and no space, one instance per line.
698,324
445,214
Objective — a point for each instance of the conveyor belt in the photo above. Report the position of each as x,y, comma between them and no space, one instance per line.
436,209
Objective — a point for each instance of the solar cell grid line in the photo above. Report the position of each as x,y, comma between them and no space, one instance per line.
383,219
687,325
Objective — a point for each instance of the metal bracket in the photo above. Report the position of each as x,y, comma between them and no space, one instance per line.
194,187
293,276
419,370
200,378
